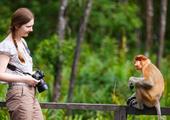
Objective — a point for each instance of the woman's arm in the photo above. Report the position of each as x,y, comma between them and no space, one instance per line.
7,77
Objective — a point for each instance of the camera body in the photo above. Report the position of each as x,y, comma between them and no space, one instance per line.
41,86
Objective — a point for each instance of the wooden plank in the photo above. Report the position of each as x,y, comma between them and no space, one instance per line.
102,107
120,114
80,106
148,111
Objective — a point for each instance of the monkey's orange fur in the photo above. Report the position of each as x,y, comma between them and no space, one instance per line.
151,74
150,87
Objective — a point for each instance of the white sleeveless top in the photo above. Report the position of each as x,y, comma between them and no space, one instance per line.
7,47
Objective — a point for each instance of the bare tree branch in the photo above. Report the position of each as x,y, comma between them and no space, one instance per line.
80,37
163,13
60,32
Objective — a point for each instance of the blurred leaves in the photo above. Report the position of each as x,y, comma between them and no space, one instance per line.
106,58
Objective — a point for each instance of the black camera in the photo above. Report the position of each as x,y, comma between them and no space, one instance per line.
41,86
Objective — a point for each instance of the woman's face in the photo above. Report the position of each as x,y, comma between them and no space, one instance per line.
25,29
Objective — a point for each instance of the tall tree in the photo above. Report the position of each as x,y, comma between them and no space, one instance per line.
60,32
163,12
149,25
80,37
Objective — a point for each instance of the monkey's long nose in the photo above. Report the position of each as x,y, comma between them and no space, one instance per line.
135,64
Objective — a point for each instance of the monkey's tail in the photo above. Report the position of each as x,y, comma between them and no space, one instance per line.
158,110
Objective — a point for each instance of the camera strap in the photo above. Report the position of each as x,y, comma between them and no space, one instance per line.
14,68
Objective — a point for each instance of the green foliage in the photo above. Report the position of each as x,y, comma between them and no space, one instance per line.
49,49
54,114
46,54
106,57
4,115
125,17
98,75
145,117
97,115
110,18
3,90
5,22
102,76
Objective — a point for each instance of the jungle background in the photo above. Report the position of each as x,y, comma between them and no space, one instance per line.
86,50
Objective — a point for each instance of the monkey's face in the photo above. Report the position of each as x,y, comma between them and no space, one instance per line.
138,64
140,61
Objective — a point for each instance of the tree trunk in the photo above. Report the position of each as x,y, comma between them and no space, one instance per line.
58,67
163,12
80,37
138,41
149,25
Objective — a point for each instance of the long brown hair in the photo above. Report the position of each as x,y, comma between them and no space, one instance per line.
20,17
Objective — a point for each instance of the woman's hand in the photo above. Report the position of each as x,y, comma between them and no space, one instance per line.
30,80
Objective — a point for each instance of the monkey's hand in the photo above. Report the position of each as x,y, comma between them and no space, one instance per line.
131,82
140,82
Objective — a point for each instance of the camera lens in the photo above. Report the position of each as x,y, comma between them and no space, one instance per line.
42,86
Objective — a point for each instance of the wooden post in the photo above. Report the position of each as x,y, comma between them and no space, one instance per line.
120,114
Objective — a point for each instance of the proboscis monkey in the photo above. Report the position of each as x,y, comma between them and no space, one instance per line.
149,87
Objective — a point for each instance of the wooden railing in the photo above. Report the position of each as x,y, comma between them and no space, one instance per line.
120,111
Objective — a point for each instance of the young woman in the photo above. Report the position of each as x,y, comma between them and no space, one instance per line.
20,98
